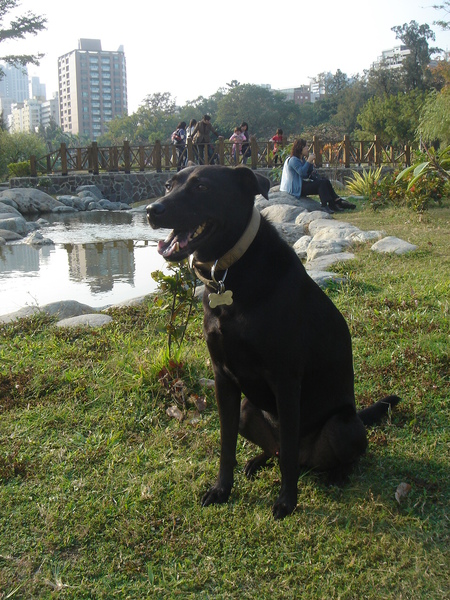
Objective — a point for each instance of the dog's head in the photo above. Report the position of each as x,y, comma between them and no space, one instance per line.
208,208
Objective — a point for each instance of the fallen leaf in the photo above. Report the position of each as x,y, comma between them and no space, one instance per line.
402,491
175,412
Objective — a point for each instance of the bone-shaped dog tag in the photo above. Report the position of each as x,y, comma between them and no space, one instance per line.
220,299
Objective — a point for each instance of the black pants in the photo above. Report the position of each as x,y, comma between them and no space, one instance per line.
320,187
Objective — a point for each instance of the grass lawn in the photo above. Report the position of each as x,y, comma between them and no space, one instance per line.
100,489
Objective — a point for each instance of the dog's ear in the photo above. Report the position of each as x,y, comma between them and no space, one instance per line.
254,182
191,163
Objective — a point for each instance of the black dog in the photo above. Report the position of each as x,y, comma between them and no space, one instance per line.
272,334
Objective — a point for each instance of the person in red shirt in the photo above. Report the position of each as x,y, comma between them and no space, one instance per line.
277,139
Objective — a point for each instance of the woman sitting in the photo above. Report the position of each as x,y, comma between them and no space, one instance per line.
298,179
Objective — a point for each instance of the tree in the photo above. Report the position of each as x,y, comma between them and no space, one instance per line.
18,29
264,111
444,25
434,123
18,147
394,119
415,71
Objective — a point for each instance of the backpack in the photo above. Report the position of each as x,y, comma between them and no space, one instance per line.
176,137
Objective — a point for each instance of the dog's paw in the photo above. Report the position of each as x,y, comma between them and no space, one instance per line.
216,495
253,465
284,506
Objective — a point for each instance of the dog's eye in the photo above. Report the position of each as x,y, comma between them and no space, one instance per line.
168,186
201,187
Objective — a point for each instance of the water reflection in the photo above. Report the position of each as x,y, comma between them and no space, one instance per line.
100,263
98,259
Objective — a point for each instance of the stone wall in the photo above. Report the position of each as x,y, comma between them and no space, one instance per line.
132,187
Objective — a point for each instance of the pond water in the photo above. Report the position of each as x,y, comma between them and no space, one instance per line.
99,258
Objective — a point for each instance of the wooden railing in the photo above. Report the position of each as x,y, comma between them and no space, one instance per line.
163,157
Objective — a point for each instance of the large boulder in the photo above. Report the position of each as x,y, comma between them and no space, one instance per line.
393,244
30,201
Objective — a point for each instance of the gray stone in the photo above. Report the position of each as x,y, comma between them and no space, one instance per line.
63,309
92,189
366,236
64,209
37,239
393,244
2,241
10,236
323,229
281,213
8,209
94,206
322,263
301,246
90,320
289,231
17,224
30,201
322,247
323,278
305,218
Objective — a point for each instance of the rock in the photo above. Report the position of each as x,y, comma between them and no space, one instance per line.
63,309
9,236
281,213
305,218
37,239
17,224
289,231
366,236
320,247
30,201
323,262
323,229
6,210
2,241
92,189
393,244
301,246
89,320
322,278
94,206
64,209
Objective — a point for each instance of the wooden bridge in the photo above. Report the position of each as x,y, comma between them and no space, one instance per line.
160,157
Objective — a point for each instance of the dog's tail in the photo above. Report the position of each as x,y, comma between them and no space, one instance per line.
373,414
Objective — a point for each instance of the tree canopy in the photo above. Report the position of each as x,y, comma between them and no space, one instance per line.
17,29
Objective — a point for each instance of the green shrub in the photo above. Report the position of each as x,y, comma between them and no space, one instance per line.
19,169
362,184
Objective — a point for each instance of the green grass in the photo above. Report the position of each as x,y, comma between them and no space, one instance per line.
100,488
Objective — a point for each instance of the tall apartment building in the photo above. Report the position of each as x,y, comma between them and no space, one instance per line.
25,116
92,88
14,84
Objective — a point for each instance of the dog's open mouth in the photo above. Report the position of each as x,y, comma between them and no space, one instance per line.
180,244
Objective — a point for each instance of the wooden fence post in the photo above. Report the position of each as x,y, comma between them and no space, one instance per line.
127,156
317,152
157,154
63,151
95,167
407,156
141,158
254,151
221,150
79,160
377,151
190,150
33,166
346,156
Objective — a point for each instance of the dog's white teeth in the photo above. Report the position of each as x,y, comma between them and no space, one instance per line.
176,247
199,230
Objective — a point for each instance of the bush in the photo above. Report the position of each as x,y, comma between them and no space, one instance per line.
19,169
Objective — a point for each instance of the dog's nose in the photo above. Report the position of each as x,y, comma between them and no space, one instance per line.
155,210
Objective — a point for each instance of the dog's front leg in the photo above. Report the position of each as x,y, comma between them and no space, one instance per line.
228,396
288,403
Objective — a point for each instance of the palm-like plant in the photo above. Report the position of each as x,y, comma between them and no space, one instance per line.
362,184
438,163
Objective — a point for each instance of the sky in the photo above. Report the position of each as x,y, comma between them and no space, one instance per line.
192,48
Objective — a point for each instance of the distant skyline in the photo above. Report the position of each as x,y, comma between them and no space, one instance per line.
192,49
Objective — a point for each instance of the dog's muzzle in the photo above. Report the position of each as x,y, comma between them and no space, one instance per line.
154,211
